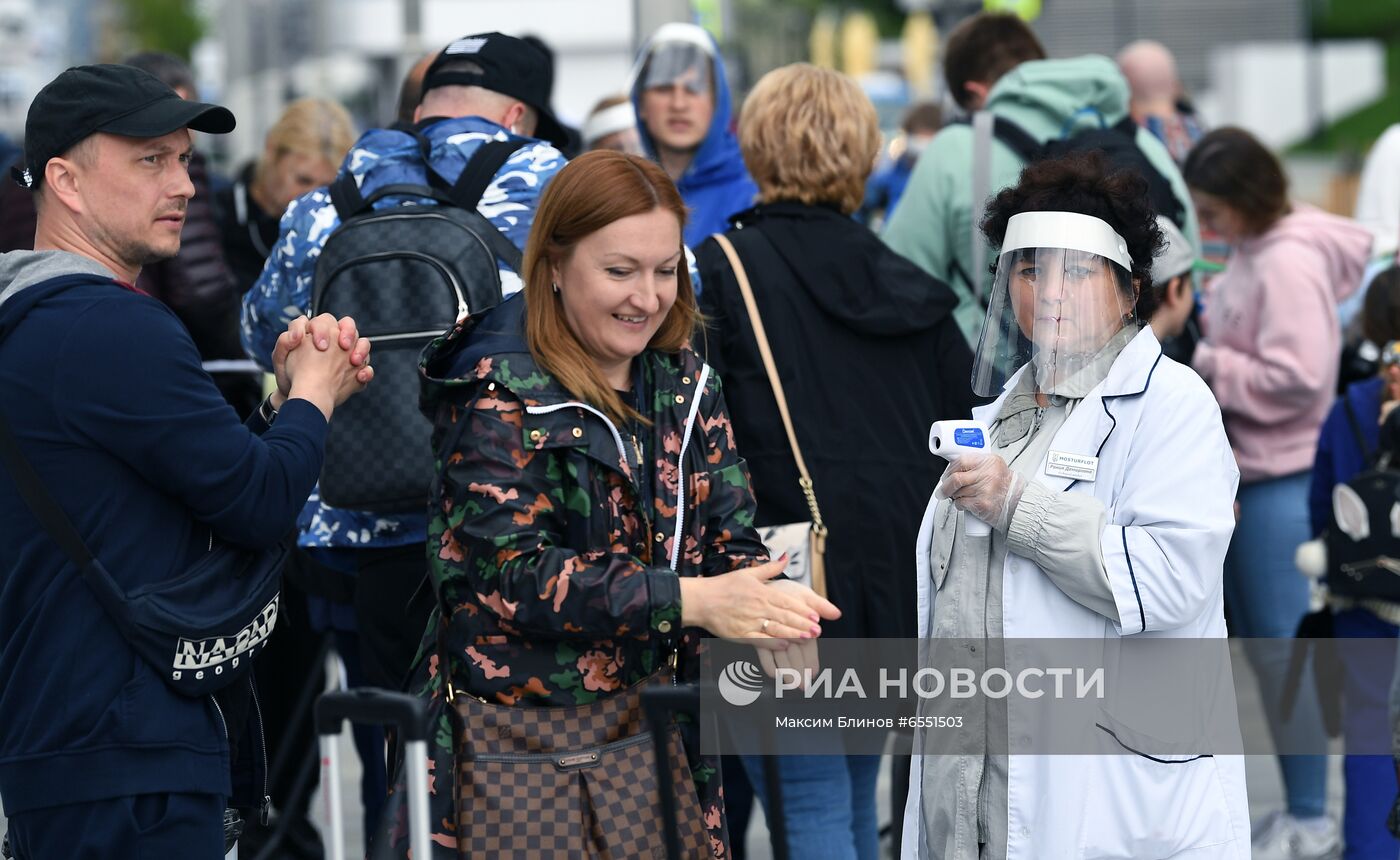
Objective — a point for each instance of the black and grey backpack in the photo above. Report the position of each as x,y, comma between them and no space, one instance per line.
406,274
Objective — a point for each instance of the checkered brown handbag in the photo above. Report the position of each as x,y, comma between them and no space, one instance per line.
575,783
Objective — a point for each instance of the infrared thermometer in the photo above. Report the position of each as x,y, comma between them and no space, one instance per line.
951,440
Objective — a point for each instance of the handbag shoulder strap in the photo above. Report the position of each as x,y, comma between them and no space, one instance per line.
764,351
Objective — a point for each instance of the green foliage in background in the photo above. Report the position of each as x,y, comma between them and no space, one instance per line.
172,26
1360,19
888,16
1356,19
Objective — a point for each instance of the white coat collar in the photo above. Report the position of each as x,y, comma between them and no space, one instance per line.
1129,374
1088,427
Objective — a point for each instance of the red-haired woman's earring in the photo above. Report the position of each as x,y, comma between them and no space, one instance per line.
555,286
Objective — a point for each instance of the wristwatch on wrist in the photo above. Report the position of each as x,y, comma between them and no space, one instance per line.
266,412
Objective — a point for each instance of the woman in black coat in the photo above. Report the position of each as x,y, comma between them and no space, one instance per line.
300,154
869,356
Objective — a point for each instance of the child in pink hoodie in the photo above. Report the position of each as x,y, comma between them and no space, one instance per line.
1271,354
1273,342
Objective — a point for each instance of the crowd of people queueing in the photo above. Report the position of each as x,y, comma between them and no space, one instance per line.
692,335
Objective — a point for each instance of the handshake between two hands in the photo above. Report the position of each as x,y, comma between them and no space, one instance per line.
322,360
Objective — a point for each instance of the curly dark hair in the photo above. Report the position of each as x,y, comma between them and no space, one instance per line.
1085,182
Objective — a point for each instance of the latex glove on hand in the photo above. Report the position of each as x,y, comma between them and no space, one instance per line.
983,486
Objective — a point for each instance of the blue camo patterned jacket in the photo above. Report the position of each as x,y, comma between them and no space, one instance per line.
283,291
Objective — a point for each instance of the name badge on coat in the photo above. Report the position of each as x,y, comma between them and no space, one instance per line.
1076,467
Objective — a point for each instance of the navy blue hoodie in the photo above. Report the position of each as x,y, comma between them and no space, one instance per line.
103,389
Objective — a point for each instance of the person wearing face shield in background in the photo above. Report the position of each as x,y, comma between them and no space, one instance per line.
1108,488
683,108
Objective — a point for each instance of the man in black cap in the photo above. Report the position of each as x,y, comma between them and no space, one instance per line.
480,88
103,395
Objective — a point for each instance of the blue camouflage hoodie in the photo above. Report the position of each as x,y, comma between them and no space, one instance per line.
283,292
716,185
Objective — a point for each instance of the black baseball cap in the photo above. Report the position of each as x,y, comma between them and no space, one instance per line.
509,66
116,99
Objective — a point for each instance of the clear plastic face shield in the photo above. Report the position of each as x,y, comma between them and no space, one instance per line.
1062,291
681,63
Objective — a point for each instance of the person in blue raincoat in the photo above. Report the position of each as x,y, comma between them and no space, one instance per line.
683,107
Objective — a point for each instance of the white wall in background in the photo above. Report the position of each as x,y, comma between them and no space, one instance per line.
1264,86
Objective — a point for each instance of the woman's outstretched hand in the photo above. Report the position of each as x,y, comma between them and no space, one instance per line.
747,604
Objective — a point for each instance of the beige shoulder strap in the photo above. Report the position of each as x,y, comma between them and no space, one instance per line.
767,354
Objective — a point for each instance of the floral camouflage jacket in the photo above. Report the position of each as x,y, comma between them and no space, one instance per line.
558,557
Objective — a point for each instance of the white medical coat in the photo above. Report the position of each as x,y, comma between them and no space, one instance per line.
1167,480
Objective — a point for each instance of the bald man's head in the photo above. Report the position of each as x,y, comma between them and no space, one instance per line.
1151,72
411,93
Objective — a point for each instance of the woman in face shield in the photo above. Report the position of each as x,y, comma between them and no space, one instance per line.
1100,509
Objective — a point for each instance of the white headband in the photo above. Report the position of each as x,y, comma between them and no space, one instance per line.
619,117
1069,230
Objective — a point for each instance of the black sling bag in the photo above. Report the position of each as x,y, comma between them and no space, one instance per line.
201,628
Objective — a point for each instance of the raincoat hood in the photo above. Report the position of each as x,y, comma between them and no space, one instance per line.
1344,244
491,344
472,349
1049,98
849,272
22,271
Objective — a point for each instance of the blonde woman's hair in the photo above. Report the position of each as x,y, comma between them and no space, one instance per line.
316,127
588,194
811,135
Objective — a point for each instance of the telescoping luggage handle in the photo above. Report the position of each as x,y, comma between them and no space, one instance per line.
658,704
377,707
